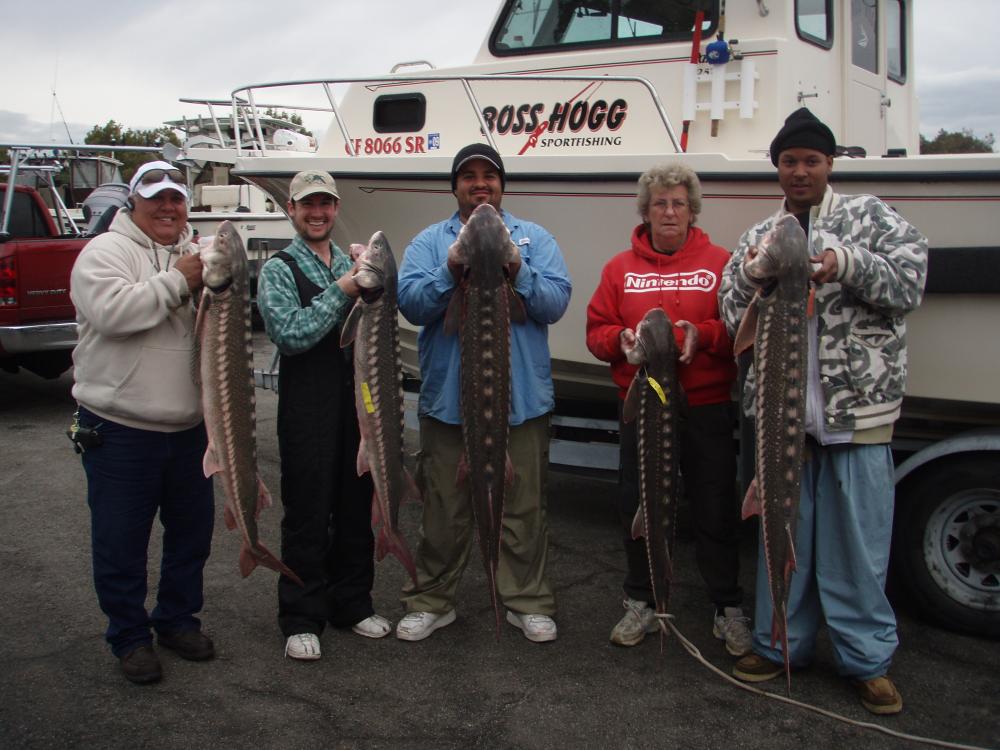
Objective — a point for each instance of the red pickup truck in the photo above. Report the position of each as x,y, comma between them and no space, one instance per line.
37,320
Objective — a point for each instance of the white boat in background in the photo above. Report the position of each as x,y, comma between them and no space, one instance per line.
207,153
581,96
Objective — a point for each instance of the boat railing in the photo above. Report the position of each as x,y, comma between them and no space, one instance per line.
21,155
242,120
245,105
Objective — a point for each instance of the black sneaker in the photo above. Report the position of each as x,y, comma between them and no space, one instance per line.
192,645
141,665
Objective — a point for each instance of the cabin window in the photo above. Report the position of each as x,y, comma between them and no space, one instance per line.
399,113
814,22
528,26
895,40
864,31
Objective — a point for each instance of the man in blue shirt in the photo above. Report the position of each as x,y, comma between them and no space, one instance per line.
426,284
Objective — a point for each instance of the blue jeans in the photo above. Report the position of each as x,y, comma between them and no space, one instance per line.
130,476
842,556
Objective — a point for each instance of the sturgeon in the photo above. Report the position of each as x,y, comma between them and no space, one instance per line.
775,325
480,311
373,327
225,367
654,399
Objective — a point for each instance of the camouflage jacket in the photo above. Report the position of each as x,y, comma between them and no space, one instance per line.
882,266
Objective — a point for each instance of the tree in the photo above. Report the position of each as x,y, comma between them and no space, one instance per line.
293,118
112,134
963,142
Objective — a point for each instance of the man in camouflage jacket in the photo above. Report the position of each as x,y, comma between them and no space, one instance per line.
869,271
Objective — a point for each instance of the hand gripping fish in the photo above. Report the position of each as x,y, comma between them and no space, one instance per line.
654,400
775,325
373,327
481,311
225,341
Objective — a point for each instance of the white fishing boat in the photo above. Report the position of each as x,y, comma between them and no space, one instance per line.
208,152
581,96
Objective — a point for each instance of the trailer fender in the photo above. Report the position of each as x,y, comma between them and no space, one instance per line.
985,439
946,532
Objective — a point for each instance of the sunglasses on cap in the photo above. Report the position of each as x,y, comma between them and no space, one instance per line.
154,176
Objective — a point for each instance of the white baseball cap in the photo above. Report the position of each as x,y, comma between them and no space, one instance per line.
154,176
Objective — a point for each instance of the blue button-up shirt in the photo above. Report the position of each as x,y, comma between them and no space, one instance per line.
425,289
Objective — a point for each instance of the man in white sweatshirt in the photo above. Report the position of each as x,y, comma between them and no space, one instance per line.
139,422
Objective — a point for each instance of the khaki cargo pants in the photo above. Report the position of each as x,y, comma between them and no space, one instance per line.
448,527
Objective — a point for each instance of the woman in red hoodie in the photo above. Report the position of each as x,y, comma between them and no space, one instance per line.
673,265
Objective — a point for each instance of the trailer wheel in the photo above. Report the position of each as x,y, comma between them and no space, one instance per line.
946,542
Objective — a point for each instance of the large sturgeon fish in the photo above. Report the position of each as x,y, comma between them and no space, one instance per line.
481,311
225,341
775,325
373,327
654,400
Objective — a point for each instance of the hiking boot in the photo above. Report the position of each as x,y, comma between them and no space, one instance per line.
754,668
416,626
192,645
638,620
733,628
303,646
375,626
141,665
879,695
537,628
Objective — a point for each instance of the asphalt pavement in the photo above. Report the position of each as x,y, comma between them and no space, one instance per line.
461,688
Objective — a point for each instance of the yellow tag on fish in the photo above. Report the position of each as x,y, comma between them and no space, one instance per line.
656,387
366,396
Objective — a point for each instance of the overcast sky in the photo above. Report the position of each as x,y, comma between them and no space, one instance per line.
131,60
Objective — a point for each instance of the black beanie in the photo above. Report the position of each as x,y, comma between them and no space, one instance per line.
477,151
803,130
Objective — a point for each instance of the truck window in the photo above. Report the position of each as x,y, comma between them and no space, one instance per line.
528,26
26,219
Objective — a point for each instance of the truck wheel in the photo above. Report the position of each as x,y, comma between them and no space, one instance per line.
946,542
48,365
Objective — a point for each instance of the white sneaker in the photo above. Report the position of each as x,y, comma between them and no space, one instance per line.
418,625
537,628
733,628
303,646
375,626
638,620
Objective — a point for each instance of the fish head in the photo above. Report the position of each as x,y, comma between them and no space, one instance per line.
655,339
484,240
225,259
782,252
376,272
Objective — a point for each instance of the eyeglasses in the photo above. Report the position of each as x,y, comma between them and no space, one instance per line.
154,176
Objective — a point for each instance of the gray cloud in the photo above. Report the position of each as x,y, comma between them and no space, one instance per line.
17,127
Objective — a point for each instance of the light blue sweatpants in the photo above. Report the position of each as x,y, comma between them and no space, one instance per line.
842,556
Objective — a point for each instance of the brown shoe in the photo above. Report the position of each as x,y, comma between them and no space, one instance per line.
754,668
141,665
879,695
192,645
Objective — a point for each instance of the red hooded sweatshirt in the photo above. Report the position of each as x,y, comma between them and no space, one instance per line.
686,285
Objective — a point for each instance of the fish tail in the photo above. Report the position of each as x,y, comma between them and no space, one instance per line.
390,541
250,558
779,634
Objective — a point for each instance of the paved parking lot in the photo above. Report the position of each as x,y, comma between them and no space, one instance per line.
461,688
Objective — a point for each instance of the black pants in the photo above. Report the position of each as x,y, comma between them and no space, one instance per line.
708,469
326,533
